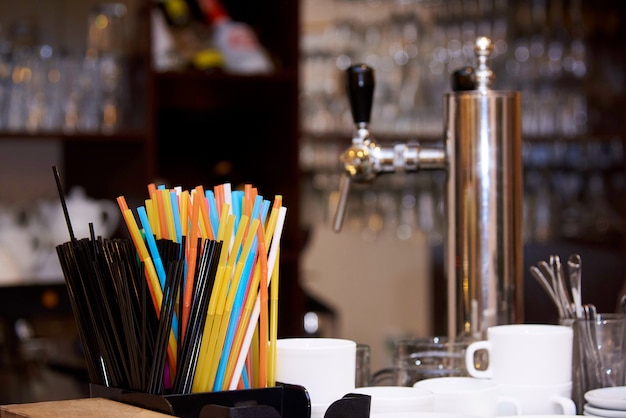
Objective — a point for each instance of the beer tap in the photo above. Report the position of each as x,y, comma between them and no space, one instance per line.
481,157
365,159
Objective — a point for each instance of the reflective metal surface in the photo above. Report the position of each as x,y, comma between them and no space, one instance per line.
484,204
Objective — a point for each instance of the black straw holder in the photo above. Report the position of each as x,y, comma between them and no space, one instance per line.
283,400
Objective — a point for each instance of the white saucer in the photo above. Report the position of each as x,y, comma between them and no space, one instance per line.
602,412
613,398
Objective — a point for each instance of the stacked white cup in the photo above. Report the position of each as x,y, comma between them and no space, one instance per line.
531,363
325,367
468,395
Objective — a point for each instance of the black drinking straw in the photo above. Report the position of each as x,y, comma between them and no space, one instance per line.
123,319
77,268
143,292
57,178
109,298
203,286
110,324
174,274
86,332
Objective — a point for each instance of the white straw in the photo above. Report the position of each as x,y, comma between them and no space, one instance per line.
257,305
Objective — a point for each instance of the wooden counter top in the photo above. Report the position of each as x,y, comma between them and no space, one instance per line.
77,408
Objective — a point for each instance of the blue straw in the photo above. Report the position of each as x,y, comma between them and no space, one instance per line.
237,198
154,252
244,376
156,257
214,219
235,315
265,211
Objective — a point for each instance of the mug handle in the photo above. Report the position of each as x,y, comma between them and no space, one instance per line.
470,351
505,402
566,404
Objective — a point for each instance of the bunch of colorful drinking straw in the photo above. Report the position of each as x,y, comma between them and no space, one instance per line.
206,262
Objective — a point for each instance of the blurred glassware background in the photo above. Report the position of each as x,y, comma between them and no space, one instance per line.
47,87
563,55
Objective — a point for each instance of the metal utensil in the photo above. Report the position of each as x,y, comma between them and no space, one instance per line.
545,284
561,286
574,267
549,271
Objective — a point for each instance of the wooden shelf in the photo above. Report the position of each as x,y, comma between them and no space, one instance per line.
197,91
130,135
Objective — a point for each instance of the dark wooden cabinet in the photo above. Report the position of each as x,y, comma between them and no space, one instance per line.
212,128
188,128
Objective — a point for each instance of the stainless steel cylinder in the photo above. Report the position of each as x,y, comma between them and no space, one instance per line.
484,210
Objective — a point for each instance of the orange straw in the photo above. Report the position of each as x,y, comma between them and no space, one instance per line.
161,213
151,275
204,212
218,191
263,317
191,264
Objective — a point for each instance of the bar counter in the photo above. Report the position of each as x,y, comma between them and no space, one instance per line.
88,407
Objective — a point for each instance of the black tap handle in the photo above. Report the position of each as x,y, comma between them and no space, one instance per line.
360,88
464,79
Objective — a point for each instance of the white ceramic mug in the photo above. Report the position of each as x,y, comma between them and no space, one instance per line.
397,399
325,367
538,399
524,354
318,410
468,395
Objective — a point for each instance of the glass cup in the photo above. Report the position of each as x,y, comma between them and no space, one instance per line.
363,375
598,355
417,358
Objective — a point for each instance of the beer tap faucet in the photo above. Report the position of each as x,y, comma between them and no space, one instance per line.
481,156
365,159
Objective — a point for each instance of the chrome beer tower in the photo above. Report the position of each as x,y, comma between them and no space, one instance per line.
481,156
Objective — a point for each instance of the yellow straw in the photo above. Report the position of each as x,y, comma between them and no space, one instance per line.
153,217
234,284
241,329
252,361
257,306
208,379
271,223
259,280
224,235
271,366
218,334
184,215
169,214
